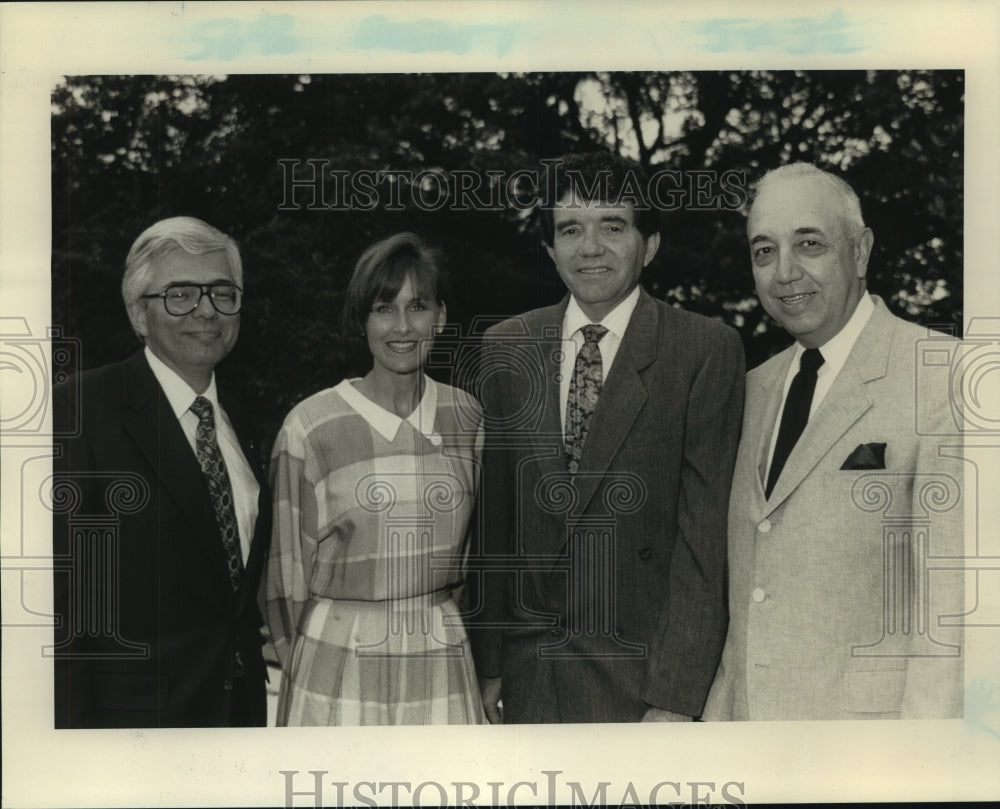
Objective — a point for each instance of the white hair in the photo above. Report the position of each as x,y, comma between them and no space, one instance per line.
176,233
850,204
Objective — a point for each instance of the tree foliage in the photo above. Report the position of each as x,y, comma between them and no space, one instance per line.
129,150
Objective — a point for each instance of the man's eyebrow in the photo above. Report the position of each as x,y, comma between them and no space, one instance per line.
187,283
803,231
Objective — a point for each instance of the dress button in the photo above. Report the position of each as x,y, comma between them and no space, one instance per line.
645,554
227,685
764,526
758,595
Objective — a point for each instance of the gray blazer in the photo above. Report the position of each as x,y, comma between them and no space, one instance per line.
602,594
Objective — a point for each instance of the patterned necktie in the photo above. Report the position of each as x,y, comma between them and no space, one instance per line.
584,389
796,413
214,469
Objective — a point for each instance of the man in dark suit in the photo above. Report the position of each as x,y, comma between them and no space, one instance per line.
612,421
161,517
842,497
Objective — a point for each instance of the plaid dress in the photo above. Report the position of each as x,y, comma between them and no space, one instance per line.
369,542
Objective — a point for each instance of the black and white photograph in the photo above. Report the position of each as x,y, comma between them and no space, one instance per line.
394,391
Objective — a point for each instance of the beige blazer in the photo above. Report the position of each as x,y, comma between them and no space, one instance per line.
836,611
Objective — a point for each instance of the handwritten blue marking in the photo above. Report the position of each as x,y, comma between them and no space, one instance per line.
982,706
226,38
423,36
833,33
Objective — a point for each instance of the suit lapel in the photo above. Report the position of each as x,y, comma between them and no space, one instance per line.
159,436
545,328
260,540
548,438
622,397
763,403
845,403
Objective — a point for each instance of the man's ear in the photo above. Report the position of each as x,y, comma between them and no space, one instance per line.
137,316
652,245
552,253
863,250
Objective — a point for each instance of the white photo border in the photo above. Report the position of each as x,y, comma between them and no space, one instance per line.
720,763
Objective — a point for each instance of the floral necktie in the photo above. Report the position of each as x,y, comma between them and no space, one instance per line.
584,389
214,469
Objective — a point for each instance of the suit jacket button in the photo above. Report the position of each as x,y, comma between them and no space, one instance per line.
764,526
227,685
645,553
758,595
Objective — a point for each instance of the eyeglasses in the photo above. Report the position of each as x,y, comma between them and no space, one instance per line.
183,299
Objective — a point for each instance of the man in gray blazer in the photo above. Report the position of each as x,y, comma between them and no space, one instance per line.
845,506
612,424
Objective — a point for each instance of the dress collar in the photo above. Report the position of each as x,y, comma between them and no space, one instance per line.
387,424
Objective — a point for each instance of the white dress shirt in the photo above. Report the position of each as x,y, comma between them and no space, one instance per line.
835,352
615,321
245,487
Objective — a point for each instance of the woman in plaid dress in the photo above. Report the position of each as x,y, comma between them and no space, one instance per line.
374,482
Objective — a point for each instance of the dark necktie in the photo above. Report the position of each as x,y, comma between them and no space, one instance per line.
796,413
584,388
214,469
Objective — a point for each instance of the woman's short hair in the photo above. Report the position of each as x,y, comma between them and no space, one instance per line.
384,268
176,233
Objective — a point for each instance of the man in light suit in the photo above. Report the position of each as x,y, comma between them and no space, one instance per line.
602,570
842,498
161,518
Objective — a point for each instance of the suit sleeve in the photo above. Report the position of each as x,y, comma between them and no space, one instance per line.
469,541
934,681
293,537
73,457
490,531
691,626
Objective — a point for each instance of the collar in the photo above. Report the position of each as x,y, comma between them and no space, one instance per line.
616,321
837,349
179,393
387,424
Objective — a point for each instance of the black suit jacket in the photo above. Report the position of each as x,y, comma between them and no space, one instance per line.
604,593
147,623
